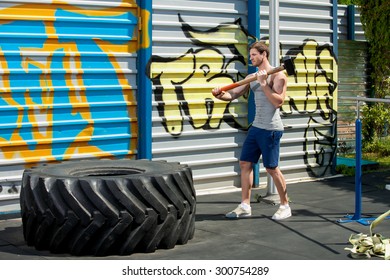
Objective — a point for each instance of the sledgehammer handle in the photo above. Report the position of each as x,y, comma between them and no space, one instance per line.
251,79
276,69
239,83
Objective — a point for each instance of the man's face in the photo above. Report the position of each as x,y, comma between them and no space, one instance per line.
256,57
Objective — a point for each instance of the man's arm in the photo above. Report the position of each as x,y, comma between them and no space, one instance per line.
277,93
230,94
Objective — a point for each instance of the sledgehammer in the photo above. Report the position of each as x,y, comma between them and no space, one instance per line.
287,65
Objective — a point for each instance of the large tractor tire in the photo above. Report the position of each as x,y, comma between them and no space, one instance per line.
108,207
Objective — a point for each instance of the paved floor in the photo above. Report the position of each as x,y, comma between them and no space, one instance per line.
312,233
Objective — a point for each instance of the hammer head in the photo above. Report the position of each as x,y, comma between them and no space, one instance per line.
289,65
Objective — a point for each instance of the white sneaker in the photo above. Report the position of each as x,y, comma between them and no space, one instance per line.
239,212
283,212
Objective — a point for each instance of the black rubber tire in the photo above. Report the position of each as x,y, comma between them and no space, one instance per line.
108,207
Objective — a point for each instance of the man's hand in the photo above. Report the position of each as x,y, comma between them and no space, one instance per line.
217,92
262,77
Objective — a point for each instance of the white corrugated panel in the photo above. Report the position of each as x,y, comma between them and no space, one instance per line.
359,32
196,46
342,22
299,21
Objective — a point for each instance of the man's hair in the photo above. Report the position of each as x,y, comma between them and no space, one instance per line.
260,47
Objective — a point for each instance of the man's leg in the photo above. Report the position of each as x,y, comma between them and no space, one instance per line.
280,184
244,208
284,210
246,181
250,153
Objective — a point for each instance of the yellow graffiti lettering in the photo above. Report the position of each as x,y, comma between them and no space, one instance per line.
313,72
225,35
186,85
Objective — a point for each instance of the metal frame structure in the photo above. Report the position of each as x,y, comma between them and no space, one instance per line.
357,217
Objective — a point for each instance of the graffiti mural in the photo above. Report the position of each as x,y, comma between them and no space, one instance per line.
66,88
183,84
314,97
56,71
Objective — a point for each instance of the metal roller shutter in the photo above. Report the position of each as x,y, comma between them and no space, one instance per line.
196,46
68,83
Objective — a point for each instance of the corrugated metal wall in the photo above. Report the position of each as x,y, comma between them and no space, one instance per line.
353,74
67,83
349,15
309,113
353,81
200,44
196,46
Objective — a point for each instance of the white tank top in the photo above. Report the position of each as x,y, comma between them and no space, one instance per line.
267,116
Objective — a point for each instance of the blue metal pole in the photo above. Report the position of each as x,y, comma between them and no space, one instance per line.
358,169
351,22
335,39
253,30
144,92
358,175
335,28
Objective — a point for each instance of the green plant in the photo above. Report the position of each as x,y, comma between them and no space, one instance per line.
375,121
345,170
378,146
374,15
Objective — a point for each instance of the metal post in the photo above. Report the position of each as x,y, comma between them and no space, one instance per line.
358,168
254,30
358,171
272,195
358,165
351,22
144,92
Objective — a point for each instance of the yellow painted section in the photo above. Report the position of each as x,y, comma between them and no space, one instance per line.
311,84
192,73
145,40
32,11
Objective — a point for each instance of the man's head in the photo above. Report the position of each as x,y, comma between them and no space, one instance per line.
258,52
260,47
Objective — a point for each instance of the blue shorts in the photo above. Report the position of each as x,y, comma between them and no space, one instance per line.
262,142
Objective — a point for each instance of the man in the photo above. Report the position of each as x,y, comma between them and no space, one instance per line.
264,135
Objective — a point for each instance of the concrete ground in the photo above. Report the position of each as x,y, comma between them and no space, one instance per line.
312,233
